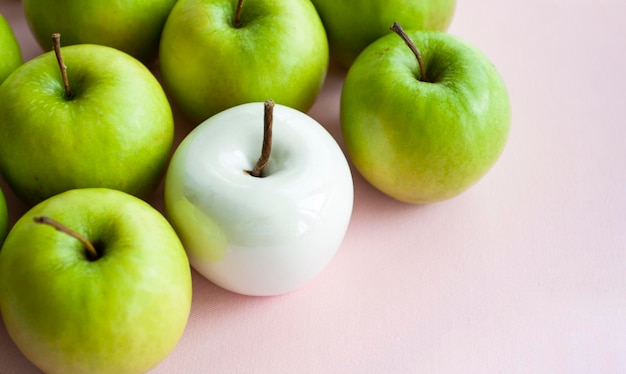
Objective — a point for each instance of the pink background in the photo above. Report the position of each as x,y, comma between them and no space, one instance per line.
525,272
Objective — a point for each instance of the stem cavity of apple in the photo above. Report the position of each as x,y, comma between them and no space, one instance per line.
91,253
268,119
56,41
237,21
400,31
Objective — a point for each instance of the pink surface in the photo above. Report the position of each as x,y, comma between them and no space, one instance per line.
525,272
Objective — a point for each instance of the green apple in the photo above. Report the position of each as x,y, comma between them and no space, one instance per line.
426,136
94,281
4,218
133,26
353,25
114,127
11,52
216,54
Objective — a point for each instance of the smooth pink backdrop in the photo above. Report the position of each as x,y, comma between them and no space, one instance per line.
524,273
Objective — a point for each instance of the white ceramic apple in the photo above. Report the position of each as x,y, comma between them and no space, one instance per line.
262,235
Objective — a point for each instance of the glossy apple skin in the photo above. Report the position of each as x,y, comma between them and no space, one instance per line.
4,219
353,25
116,132
208,65
132,26
422,142
259,236
122,313
11,52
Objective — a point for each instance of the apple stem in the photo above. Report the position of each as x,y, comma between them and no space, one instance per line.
56,41
400,31
268,119
237,22
92,253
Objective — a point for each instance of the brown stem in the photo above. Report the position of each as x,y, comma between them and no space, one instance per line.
92,253
400,31
56,41
237,22
268,119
